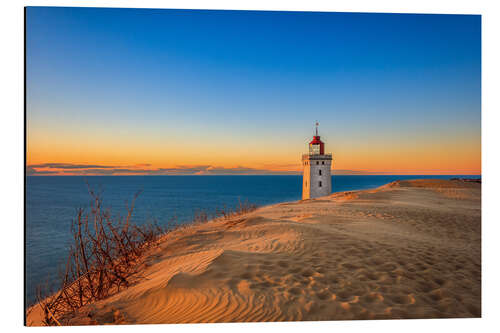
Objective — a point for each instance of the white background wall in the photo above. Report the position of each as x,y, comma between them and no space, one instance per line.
11,20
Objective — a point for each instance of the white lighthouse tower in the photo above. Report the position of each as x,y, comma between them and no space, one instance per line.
316,179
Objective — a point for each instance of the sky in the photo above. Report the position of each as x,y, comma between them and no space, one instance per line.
145,91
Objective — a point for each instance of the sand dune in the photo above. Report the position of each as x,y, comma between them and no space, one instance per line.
410,249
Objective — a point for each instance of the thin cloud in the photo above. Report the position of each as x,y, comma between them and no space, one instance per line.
241,170
106,170
346,172
142,169
31,172
70,166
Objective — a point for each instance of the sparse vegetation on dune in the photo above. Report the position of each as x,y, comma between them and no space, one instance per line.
410,249
104,256
101,260
224,212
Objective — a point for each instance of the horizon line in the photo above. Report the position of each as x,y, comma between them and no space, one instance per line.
276,174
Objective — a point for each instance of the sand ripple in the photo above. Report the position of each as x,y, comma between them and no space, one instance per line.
406,250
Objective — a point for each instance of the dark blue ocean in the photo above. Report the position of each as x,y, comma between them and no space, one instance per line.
52,203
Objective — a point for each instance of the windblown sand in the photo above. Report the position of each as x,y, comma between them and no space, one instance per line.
410,249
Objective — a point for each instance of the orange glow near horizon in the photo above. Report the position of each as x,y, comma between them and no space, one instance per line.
137,151
428,159
400,101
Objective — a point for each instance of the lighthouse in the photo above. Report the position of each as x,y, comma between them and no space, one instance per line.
316,178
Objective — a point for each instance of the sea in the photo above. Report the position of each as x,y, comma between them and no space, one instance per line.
52,203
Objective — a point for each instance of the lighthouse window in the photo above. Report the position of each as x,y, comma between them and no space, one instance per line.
320,172
322,162
319,184
317,162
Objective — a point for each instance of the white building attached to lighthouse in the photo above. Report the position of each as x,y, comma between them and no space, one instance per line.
316,179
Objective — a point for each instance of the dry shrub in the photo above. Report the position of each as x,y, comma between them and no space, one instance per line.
225,213
242,208
104,254
101,260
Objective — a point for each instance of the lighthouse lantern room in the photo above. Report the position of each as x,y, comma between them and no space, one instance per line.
316,179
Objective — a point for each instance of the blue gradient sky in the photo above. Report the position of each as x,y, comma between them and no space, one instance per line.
394,93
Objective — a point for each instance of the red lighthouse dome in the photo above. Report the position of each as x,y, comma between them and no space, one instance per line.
316,146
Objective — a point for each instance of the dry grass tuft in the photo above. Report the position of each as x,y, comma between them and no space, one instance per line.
103,258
